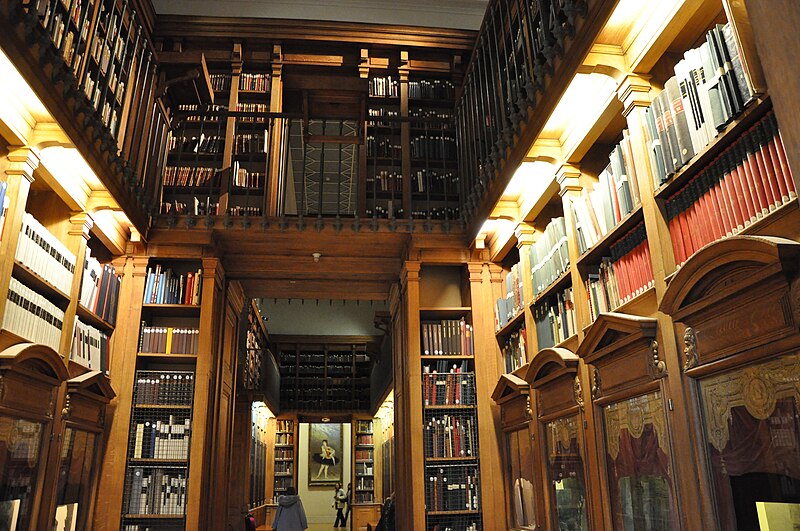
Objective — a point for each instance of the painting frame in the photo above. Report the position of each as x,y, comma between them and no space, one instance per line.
325,438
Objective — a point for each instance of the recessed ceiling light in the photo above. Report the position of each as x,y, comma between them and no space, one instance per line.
325,419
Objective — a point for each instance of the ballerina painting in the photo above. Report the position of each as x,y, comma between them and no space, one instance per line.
324,448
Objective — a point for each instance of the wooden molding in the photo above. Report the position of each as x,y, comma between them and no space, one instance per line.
509,387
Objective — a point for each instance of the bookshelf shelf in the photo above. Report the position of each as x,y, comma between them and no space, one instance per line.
593,255
452,406
453,312
571,343
142,461
447,356
32,279
154,516
642,304
90,318
452,513
511,325
162,406
755,111
167,357
562,282
432,460
171,310
786,214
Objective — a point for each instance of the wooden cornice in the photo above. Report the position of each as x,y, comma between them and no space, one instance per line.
508,387
32,358
200,27
549,364
614,331
94,384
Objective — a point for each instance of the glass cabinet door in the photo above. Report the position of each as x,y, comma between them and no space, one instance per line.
565,474
20,447
638,462
74,479
520,478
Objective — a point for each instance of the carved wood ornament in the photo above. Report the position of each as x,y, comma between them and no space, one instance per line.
689,349
578,392
659,366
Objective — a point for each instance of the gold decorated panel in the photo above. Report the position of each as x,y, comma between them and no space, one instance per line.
757,387
633,415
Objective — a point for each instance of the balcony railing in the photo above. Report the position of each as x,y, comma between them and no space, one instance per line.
515,55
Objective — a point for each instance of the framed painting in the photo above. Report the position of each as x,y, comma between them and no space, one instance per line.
325,448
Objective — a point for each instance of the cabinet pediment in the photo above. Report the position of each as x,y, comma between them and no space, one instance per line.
94,384
509,387
38,361
550,364
615,331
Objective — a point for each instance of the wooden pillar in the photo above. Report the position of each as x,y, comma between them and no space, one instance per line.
526,236
697,512
488,368
80,223
405,133
241,466
21,162
273,186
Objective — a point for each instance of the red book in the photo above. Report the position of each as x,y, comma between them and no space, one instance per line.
767,177
703,213
727,223
684,219
621,274
714,230
787,171
748,191
771,155
187,296
676,238
632,267
720,215
729,195
739,188
648,264
694,219
641,270
754,177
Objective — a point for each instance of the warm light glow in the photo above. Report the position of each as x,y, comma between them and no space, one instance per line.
529,182
583,102
67,164
386,412
263,410
20,108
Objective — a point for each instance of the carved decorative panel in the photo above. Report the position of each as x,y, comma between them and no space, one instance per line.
633,415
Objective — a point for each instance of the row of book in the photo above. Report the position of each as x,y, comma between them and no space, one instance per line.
166,439
709,90
384,87
364,469
196,207
191,176
385,181
284,468
44,254
427,112
164,388
245,143
445,366
514,349
168,340
436,89
506,308
549,255
243,210
364,426
436,147
451,435
157,491
364,438
448,389
284,438
254,82
448,337
284,425
452,489
200,144
435,182
260,108
365,484
747,181
244,178
613,197
89,347
435,212
164,286
100,288
31,316
383,147
220,82
284,453
364,455
382,112
390,209
555,319
365,497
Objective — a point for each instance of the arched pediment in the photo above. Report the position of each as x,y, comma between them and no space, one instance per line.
509,386
94,383
36,359
612,331
549,364
729,266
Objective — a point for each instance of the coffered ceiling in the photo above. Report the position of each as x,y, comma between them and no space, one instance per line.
460,14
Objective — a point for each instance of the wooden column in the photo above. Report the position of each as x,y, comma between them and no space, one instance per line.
21,162
80,223
526,236
488,368
410,457
635,93
405,133
273,185
240,467
122,368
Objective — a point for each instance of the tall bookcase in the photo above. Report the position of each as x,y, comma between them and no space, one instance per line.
364,460
450,420
156,489
385,180
285,469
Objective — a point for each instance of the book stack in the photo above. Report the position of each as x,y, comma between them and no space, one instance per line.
549,256
449,337
435,147
285,425
385,181
377,112
628,272
165,287
197,207
166,439
157,491
451,435
284,453
509,306
188,176
445,366
89,347
42,253
241,210
259,108
448,388
384,87
364,438
435,182
168,340
364,469
436,89
708,90
244,178
452,488
254,82
201,143
364,455
363,484
100,288
245,143
743,184
31,316
285,439
387,148
220,82
613,197
514,350
555,319
284,468
4,203
168,388
364,426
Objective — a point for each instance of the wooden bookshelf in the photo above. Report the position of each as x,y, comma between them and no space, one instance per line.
285,463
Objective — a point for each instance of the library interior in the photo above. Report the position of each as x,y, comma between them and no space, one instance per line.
467,265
